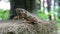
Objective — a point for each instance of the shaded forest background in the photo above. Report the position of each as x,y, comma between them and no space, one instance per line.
45,9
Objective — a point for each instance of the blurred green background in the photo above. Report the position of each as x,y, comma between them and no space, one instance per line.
4,14
55,10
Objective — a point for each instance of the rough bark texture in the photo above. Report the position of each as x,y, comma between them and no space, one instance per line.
23,27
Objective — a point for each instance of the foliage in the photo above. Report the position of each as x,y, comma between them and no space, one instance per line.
59,12
42,14
38,1
4,14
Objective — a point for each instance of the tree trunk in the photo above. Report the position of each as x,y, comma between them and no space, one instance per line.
49,7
